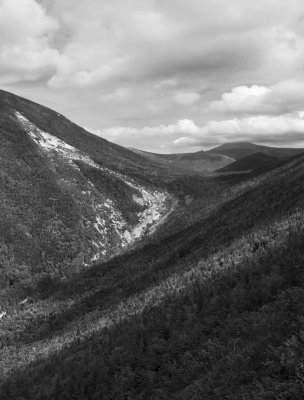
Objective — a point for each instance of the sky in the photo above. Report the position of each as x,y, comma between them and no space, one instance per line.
162,75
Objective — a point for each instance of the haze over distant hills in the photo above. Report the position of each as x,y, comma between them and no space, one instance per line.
239,150
229,157
133,275
250,156
199,161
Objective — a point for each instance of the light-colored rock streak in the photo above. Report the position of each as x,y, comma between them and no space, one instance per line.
158,205
2,314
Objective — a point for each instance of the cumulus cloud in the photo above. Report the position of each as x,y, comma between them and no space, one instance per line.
157,40
149,62
287,128
184,126
106,42
242,99
280,98
25,41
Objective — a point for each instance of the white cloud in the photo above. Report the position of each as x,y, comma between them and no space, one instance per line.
287,128
185,141
260,125
143,61
281,129
184,126
241,99
282,97
107,42
25,41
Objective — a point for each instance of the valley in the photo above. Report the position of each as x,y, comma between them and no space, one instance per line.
127,275
156,205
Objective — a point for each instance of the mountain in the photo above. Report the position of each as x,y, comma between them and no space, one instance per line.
68,198
214,310
99,149
243,149
194,162
224,158
209,306
256,161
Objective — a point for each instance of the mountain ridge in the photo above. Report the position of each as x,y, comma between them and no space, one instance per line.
199,161
49,120
63,205
239,150
255,161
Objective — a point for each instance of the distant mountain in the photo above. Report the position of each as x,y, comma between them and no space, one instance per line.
68,198
196,162
256,161
242,149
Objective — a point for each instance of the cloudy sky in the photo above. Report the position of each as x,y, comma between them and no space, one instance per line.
162,75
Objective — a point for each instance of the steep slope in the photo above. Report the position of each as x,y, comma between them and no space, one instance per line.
256,161
194,162
64,202
239,150
99,149
213,311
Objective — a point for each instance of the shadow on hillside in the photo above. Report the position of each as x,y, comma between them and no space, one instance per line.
114,282
234,219
133,340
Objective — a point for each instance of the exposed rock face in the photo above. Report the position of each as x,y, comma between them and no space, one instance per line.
101,222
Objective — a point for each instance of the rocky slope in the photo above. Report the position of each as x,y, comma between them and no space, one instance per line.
63,205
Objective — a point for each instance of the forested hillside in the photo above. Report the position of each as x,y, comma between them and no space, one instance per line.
64,202
210,307
253,162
